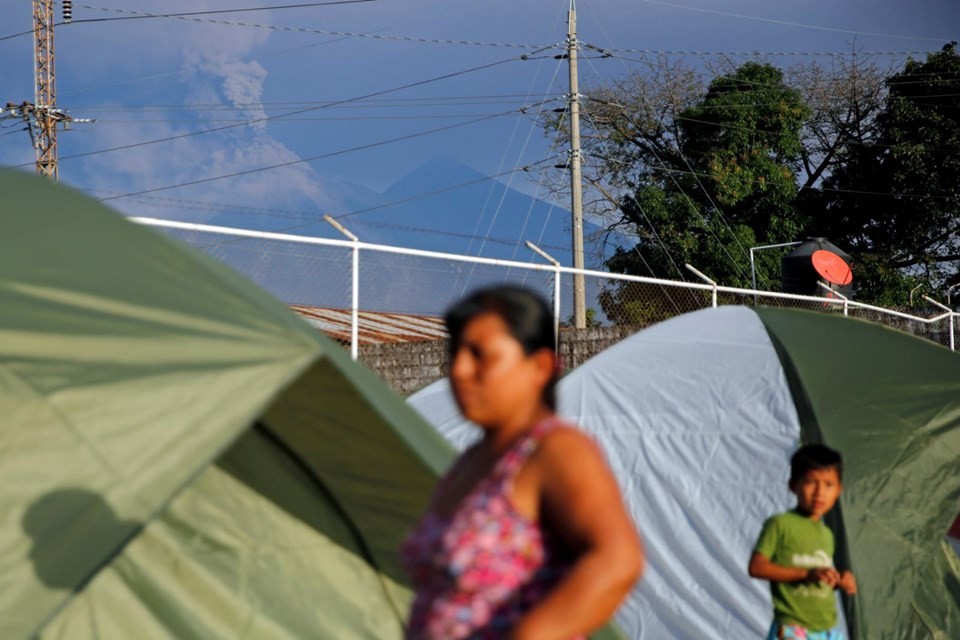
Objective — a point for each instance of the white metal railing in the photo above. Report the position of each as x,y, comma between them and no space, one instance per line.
555,269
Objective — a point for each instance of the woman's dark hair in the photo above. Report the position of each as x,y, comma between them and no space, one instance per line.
527,315
815,456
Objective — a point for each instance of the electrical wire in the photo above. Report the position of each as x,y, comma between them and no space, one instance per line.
710,200
526,142
233,241
918,196
17,35
650,224
443,101
312,158
792,24
619,204
750,54
140,15
292,113
706,193
325,32
439,191
425,116
310,218
849,142
660,66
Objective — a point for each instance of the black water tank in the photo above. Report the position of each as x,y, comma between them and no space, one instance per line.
817,260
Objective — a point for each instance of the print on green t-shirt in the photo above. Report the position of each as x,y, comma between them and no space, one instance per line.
793,540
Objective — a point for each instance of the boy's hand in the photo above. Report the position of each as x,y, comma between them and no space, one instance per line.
848,583
826,575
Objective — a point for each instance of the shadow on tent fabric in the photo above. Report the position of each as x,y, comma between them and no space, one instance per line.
74,532
953,588
264,463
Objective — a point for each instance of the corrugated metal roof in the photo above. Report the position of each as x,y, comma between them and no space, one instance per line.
374,327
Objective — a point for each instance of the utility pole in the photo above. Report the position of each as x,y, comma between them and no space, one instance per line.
42,116
44,131
576,187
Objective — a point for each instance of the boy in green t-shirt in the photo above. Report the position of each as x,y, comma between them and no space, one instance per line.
795,551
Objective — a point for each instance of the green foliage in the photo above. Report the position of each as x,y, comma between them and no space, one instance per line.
743,144
699,174
590,316
896,200
731,187
639,305
626,306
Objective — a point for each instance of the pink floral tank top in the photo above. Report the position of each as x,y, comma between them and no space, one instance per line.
478,570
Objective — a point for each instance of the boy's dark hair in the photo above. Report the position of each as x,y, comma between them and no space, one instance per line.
815,456
527,315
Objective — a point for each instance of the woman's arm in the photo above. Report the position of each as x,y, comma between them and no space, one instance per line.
579,497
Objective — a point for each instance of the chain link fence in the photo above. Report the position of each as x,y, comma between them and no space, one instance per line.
316,272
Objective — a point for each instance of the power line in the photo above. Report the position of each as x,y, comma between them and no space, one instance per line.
404,200
368,104
17,35
676,115
292,113
677,52
636,246
309,219
312,158
916,196
425,116
140,15
326,32
499,207
703,75
793,24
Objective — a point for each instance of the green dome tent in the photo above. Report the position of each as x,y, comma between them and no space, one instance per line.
183,457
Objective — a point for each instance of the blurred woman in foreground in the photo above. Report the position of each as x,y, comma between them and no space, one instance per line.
526,536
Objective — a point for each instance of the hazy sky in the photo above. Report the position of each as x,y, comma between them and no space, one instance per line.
154,78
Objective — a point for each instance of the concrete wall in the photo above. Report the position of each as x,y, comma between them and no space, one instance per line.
409,366
406,366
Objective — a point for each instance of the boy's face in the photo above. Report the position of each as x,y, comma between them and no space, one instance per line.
817,491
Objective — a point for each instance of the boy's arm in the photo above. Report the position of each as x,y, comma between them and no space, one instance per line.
763,568
848,583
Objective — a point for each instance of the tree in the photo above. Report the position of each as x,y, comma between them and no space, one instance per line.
697,175
895,199
863,155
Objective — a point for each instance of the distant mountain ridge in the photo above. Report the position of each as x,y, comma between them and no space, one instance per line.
442,205
451,207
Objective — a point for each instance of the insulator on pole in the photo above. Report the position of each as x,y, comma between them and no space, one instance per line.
67,10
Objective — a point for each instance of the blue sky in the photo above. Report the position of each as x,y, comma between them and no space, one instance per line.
147,79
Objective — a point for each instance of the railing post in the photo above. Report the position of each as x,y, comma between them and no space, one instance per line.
556,292
707,280
753,264
355,304
948,310
354,288
836,293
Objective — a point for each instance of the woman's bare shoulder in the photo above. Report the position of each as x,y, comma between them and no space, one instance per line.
565,442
